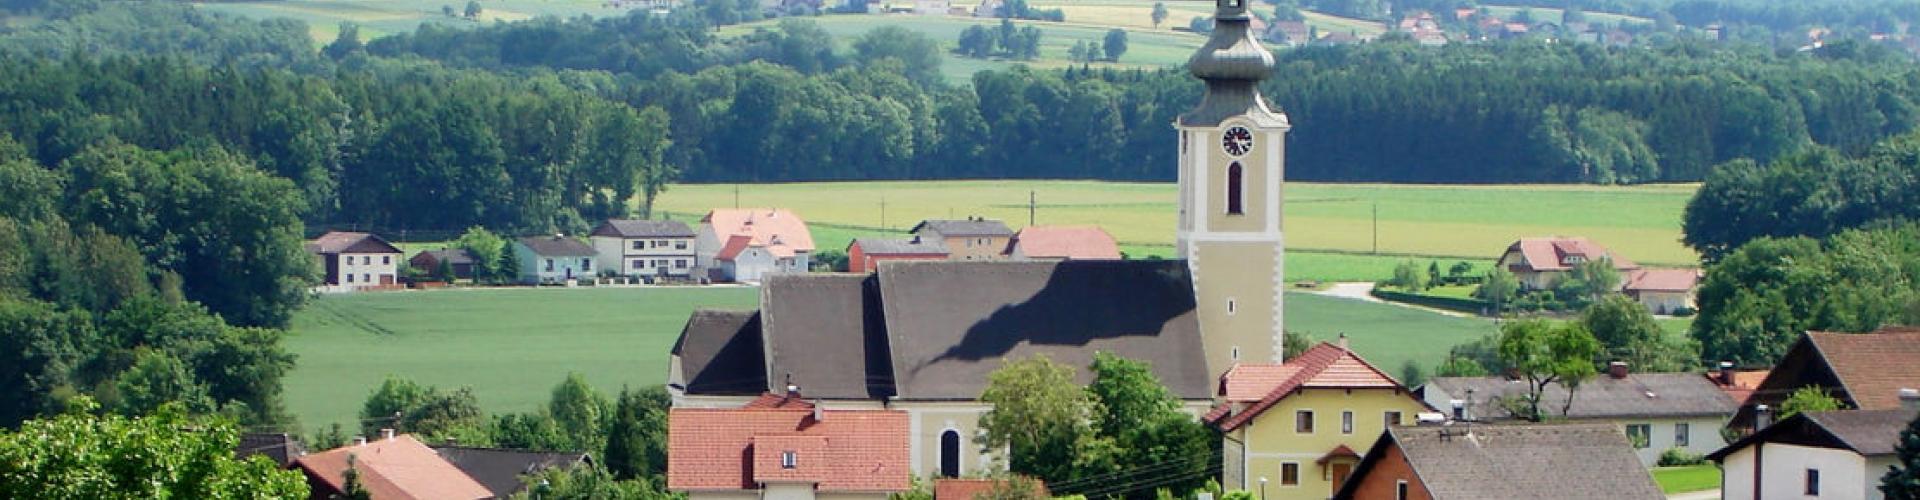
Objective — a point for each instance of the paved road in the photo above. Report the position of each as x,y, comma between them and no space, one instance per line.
1696,495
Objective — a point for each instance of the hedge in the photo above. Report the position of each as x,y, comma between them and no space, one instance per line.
1471,306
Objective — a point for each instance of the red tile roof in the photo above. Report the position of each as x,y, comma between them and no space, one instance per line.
1744,382
1873,366
1341,451
1323,366
778,229
731,448
735,244
1662,280
398,468
1066,242
771,400
1549,254
969,489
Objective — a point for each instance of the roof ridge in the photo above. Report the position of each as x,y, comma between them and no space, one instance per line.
1309,368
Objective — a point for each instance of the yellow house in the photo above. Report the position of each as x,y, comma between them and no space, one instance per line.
1296,430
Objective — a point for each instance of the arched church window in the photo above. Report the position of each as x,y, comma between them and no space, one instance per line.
950,453
1234,191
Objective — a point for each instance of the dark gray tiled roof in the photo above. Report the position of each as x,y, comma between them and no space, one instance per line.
900,246
1868,432
824,331
454,256
557,246
641,228
721,354
1563,461
951,323
1637,395
500,470
965,227
279,447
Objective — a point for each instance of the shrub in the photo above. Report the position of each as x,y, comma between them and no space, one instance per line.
1683,312
1675,457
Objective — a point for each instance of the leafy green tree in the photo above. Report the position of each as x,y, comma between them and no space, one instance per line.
1808,399
920,54
1544,353
1294,343
977,42
155,379
1757,300
351,487
1040,415
581,414
1412,374
1902,480
637,440
444,271
1145,421
1433,273
507,268
1460,367
485,247
346,43
1159,14
1114,44
162,455
473,9
1407,276
1460,269
584,482
1627,332
39,346
408,407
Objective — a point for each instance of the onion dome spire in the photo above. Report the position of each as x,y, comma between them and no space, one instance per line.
1232,63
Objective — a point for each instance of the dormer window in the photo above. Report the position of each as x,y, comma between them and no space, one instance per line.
789,459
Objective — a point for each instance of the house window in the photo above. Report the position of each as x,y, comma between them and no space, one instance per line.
1400,490
639,245
366,278
1346,422
1289,474
1233,189
789,460
349,278
1392,418
1230,307
639,263
586,264
366,260
679,263
680,245
1680,434
549,265
1640,434
1303,421
950,453
1236,353
660,263
1813,482
386,259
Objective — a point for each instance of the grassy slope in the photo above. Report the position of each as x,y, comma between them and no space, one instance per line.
1146,48
1685,479
382,17
511,346
1474,222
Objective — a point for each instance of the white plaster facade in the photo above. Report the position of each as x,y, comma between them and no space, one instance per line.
1783,470
358,270
655,256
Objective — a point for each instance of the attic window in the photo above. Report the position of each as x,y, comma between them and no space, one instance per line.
789,459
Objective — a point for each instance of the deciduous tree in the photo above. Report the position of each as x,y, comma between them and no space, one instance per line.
1544,353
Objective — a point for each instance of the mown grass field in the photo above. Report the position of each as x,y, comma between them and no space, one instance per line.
1335,221
511,346
1146,48
384,17
1687,479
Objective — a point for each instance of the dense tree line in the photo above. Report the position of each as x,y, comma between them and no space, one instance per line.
1818,192
175,29
165,454
1756,300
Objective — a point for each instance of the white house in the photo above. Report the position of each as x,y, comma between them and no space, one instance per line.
553,259
1825,454
1662,291
746,244
645,247
1657,411
1539,263
356,260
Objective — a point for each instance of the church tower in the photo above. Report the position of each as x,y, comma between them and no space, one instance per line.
1232,153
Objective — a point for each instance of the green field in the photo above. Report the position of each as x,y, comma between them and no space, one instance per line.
1543,14
384,17
513,345
1146,48
1685,479
1445,222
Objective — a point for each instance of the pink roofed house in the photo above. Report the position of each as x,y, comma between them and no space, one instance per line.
1063,243
1663,291
1539,262
746,244
783,447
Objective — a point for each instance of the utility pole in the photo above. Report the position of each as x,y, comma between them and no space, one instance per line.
1376,228
883,212
736,196
1030,205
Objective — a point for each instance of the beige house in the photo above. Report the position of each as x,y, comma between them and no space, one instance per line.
782,447
658,248
1827,454
353,261
1657,411
1662,291
969,239
1539,263
922,336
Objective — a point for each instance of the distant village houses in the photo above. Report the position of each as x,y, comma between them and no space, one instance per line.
553,259
1657,411
354,261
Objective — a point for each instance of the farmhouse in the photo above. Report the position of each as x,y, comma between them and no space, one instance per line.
1539,263
657,248
921,337
1470,462
553,259
1659,411
865,254
782,447
458,259
395,467
1825,454
1662,291
356,260
1063,243
1863,370
969,239
1299,423
751,243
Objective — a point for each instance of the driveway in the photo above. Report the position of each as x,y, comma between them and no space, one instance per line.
1696,495
1363,291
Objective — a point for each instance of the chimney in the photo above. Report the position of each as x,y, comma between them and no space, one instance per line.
1617,369
1910,399
386,434
1726,373
1762,417
359,440
819,414
1341,341
1459,409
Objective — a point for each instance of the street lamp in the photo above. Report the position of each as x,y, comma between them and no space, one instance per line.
1263,487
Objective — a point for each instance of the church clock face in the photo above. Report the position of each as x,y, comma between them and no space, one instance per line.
1237,141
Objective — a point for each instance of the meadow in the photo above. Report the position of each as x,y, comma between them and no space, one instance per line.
511,346
1329,227
379,18
1146,48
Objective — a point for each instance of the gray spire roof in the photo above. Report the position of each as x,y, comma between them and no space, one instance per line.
1232,63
